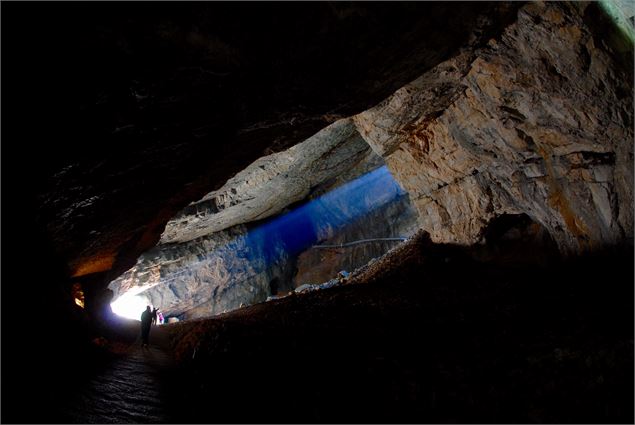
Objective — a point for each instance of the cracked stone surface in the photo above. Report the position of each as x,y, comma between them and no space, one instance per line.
215,257
273,182
535,122
539,121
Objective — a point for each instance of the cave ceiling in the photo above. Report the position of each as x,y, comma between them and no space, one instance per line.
122,114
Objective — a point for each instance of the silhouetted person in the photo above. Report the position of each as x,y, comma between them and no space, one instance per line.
146,323
154,316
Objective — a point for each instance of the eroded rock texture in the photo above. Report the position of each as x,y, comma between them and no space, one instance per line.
273,182
394,220
213,274
538,122
144,108
219,255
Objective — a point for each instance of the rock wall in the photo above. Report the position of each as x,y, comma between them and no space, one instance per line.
540,121
537,122
240,244
396,219
210,275
272,183
245,264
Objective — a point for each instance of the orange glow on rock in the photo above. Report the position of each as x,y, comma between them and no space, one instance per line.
78,295
94,265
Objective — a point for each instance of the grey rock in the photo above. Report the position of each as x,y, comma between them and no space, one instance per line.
535,122
271,183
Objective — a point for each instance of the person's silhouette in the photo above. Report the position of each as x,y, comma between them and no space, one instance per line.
146,323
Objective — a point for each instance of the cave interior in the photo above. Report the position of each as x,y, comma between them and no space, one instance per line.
408,212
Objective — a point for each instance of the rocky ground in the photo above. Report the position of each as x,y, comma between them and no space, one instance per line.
132,387
425,335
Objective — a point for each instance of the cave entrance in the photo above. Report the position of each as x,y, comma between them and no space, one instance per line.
131,304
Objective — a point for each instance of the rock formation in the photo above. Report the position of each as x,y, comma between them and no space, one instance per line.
152,107
272,183
129,131
395,219
222,253
539,122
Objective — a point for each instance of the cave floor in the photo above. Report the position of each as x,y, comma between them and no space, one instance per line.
131,386
425,335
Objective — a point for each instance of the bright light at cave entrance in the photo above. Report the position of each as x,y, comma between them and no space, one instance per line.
130,306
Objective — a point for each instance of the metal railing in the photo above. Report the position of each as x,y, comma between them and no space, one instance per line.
344,245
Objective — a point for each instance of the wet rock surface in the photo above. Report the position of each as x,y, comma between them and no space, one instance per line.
133,384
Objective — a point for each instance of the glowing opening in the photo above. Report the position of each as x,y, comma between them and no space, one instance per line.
78,295
130,305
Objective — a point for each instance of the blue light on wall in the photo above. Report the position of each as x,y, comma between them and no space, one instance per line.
286,236
298,229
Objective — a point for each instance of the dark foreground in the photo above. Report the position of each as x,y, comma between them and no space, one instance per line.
426,334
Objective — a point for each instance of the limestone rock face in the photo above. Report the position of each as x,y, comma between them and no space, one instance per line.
151,108
395,219
540,121
243,265
207,276
271,183
222,252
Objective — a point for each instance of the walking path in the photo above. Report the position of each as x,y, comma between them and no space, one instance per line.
133,389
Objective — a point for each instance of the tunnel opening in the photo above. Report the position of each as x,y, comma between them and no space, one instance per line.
78,295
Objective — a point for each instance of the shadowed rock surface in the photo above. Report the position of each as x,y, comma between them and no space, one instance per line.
150,107
426,334
498,129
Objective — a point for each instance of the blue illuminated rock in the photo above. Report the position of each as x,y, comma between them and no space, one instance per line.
273,182
246,264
